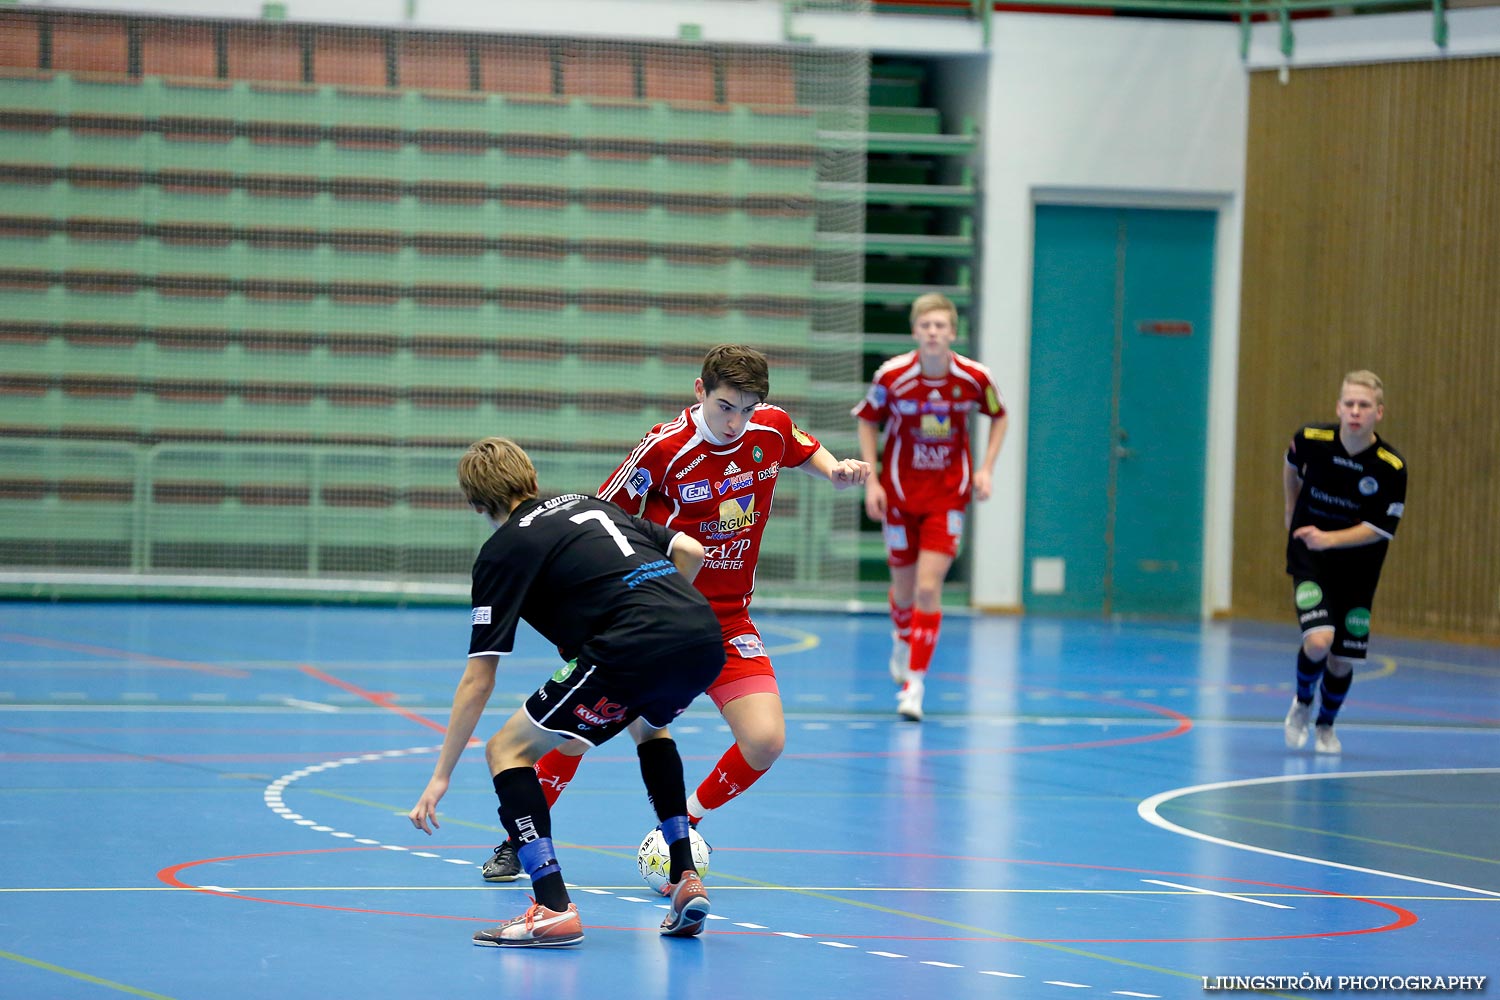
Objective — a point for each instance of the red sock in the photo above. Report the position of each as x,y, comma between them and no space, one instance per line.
730,776
924,636
900,617
554,771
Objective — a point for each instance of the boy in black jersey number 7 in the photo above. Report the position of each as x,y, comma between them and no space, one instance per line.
614,593
1345,493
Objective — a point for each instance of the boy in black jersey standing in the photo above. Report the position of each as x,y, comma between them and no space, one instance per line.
614,593
1345,493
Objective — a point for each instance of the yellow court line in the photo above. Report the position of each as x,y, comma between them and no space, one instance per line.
84,976
801,641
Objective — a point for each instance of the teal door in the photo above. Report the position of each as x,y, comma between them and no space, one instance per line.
1117,418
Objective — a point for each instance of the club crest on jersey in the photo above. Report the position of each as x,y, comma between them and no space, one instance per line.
696,491
639,483
735,515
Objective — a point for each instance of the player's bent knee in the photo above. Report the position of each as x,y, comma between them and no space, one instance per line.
1317,644
760,749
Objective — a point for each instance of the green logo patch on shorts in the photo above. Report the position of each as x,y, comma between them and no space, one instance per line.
564,671
1309,595
1357,622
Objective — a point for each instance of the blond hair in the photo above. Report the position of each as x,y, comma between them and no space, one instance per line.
495,475
1369,380
932,302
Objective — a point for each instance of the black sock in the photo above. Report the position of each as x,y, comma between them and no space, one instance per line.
1332,696
524,814
1308,672
661,770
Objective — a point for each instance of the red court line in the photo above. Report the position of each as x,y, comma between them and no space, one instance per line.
381,698
135,658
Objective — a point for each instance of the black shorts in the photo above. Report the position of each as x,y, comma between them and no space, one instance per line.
593,702
1339,605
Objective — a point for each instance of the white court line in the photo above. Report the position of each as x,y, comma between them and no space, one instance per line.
1221,895
274,792
1147,811
311,706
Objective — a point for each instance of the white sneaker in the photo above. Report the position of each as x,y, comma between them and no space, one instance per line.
900,658
1327,741
909,701
1297,719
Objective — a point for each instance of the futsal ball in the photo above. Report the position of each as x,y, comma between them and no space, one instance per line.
655,861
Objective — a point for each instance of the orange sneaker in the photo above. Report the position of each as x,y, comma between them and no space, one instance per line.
538,927
689,907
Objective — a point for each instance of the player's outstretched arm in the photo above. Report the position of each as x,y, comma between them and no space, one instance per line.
841,473
468,704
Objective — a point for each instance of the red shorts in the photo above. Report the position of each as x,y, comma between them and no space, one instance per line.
907,533
747,668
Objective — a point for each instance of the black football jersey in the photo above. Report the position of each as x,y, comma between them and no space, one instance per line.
590,578
1340,490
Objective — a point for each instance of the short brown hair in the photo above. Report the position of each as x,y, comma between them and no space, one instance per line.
495,475
1369,380
932,302
739,367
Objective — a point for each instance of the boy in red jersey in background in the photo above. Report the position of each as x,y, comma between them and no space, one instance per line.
711,473
924,398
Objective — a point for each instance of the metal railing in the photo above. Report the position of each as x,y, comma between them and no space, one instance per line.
1245,12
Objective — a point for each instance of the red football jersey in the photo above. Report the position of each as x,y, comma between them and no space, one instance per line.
718,493
924,461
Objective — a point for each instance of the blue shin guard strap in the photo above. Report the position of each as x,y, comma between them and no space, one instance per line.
538,858
674,829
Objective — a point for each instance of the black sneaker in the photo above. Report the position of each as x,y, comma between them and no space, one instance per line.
504,866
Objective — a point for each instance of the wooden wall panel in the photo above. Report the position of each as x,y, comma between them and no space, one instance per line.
1372,240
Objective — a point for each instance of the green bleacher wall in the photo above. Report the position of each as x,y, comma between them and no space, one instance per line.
255,303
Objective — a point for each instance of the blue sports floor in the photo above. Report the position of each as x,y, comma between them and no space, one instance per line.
208,803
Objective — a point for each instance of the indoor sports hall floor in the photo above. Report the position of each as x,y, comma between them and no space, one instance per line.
207,803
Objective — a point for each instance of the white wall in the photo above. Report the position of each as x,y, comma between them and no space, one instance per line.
1096,110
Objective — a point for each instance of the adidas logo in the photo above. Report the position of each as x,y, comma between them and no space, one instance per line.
731,469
